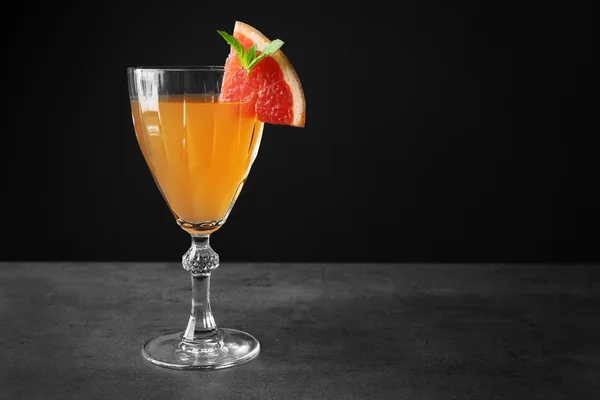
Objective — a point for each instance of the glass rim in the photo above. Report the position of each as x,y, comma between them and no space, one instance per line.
178,68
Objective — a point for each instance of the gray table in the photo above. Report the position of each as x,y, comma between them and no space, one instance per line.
328,331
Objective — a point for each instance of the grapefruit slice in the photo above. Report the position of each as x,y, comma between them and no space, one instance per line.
272,89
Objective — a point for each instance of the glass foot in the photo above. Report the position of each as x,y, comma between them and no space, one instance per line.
229,347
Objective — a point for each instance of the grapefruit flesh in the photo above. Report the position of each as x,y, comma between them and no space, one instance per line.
272,90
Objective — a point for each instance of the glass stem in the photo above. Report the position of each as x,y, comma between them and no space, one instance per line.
200,260
201,318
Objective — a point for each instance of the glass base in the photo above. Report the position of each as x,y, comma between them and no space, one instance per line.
227,348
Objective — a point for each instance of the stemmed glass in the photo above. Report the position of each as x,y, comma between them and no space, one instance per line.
199,151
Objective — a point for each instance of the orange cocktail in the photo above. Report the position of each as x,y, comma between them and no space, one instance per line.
200,151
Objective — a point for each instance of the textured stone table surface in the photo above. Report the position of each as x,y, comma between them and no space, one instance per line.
328,331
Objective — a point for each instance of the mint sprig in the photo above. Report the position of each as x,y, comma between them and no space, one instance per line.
249,57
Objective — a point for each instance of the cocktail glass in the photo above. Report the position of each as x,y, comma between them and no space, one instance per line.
199,151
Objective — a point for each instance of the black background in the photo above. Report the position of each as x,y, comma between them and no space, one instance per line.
434,132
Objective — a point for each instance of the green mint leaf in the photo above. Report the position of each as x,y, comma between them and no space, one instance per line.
251,55
269,49
237,46
272,47
256,61
249,59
